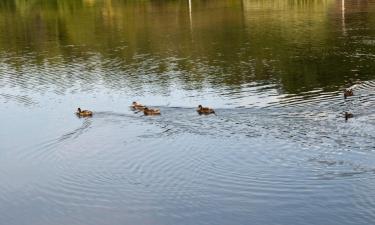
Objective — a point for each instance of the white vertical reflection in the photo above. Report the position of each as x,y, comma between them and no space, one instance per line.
191,19
343,17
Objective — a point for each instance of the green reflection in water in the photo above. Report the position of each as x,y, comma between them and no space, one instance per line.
297,45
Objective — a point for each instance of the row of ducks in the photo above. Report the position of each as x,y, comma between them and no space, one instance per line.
147,111
201,110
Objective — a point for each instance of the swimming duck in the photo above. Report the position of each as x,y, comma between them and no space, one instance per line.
137,106
83,113
149,112
205,110
348,115
348,92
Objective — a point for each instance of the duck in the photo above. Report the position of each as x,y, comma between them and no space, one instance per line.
205,110
83,113
137,106
149,112
348,115
348,92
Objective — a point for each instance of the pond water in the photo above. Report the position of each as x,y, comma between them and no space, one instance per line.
277,152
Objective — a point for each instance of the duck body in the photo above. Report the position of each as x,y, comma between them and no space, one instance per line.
83,113
150,112
137,106
348,115
205,110
348,92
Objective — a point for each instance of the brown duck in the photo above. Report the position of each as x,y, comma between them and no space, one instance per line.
137,106
348,92
348,116
150,112
83,113
205,110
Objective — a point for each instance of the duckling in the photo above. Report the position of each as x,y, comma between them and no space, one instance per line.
137,106
348,115
348,92
83,113
205,110
149,112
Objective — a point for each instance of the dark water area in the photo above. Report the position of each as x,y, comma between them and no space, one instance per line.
278,151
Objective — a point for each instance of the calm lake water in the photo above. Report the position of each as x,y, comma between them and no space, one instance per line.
278,152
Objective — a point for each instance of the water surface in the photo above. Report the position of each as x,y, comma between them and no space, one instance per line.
279,150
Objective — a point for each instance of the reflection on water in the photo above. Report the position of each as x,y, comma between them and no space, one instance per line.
296,44
278,151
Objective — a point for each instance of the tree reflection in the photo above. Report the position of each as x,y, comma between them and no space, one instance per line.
295,44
